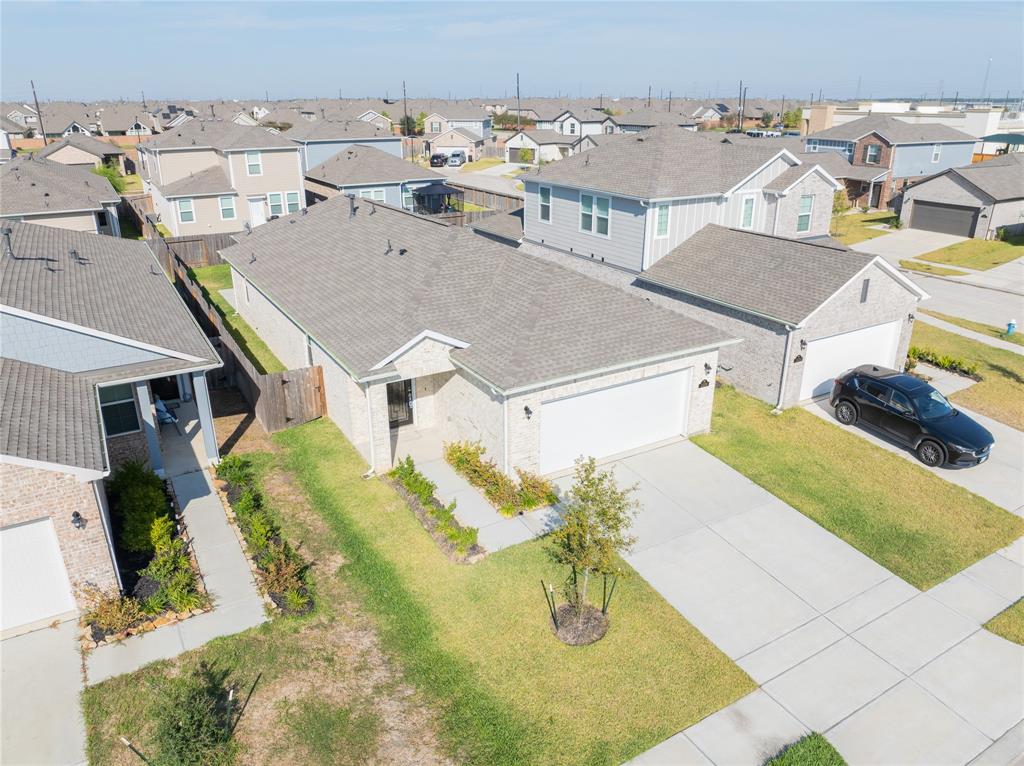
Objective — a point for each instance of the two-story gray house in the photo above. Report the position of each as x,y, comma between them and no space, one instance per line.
322,139
910,151
634,198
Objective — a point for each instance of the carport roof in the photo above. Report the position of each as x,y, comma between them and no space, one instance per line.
363,279
781,279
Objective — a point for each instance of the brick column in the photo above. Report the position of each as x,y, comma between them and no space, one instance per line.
149,427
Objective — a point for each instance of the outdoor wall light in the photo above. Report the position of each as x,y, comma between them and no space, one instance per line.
910,318
803,343
527,411
77,521
707,368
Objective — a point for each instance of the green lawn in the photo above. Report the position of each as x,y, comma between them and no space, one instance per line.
910,521
481,164
128,228
133,184
213,279
812,750
856,227
928,268
981,254
1000,394
1009,623
476,637
985,329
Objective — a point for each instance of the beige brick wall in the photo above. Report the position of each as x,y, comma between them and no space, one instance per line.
466,410
283,336
524,433
427,357
126,447
29,494
821,212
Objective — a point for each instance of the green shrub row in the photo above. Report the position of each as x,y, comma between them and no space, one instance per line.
282,571
508,496
943,362
422,488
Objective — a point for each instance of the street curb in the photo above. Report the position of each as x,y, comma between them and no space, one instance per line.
958,281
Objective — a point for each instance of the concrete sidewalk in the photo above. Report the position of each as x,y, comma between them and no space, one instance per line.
838,643
237,601
1005,345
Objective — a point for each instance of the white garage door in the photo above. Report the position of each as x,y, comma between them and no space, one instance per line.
611,420
35,585
828,357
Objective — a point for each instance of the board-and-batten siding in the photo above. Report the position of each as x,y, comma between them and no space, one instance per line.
624,245
766,175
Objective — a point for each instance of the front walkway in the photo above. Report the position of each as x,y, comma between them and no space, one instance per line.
838,643
237,602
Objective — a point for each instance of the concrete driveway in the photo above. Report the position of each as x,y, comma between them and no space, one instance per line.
906,243
999,479
40,694
838,643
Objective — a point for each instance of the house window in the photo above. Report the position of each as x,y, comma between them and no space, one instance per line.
544,211
276,203
227,208
609,128
253,163
872,153
594,214
292,200
812,146
377,195
661,221
572,128
186,214
747,219
101,220
435,127
803,220
865,286
936,152
408,200
117,405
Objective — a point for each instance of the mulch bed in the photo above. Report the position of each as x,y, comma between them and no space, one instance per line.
580,630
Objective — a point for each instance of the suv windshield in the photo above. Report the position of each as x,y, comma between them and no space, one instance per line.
932,405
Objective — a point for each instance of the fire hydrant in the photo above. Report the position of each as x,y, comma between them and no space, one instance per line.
1011,327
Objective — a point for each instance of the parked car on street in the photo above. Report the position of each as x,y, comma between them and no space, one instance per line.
438,160
457,159
912,413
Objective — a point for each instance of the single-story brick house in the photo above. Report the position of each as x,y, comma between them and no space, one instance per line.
93,332
543,146
973,201
427,329
474,145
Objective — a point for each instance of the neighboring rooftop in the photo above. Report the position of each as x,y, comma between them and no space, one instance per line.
103,283
462,111
660,163
329,130
779,278
81,141
1001,178
526,321
358,164
506,225
894,131
212,180
654,118
544,137
216,134
33,186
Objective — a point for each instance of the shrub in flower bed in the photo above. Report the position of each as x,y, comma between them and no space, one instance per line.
282,571
439,520
942,361
505,494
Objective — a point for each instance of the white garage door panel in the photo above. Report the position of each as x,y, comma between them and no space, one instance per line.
35,583
612,420
828,357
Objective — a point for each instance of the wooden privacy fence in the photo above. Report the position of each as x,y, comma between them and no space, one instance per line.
279,399
493,200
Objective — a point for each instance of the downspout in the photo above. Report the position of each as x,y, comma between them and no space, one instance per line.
504,427
644,253
785,371
101,503
775,223
369,423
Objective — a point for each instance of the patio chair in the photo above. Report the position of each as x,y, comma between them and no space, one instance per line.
164,415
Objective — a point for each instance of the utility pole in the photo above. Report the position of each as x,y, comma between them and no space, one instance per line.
648,96
984,83
405,116
956,99
519,107
266,96
856,96
739,107
38,112
143,98
670,102
743,107
819,95
782,112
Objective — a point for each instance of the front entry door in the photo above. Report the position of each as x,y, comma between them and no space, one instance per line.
257,211
400,403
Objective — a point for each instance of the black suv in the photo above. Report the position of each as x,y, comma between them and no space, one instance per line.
913,413
438,160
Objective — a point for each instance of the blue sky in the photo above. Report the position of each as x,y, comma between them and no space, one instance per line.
293,49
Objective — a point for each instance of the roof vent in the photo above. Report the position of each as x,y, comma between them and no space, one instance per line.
8,248
352,206
402,251
389,248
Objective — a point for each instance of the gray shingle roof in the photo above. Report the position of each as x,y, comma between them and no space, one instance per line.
216,134
660,163
29,185
504,225
894,131
654,118
462,111
212,180
543,137
81,141
837,166
465,133
49,416
329,130
784,279
526,321
1001,178
359,164
115,286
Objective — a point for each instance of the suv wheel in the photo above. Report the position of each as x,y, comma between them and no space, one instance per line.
930,453
846,413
